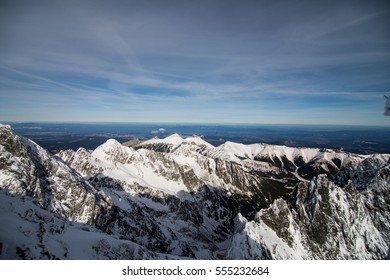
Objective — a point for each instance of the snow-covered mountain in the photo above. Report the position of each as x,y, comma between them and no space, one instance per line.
184,198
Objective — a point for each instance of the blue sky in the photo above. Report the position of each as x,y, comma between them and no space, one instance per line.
284,62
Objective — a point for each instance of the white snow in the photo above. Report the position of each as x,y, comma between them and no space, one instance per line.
156,174
197,140
237,152
174,139
26,226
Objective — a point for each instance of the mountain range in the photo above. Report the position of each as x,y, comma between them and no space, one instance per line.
183,198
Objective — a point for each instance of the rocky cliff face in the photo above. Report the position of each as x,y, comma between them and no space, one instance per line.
184,198
29,170
323,221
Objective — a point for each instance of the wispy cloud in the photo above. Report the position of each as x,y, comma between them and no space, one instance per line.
216,59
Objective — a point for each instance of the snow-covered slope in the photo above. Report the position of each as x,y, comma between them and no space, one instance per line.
172,142
322,221
29,231
29,170
184,198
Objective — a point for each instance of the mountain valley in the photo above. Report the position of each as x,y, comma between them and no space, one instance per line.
183,198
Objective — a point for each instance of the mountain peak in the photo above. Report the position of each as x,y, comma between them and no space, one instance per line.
140,200
112,143
6,130
174,136
5,126
197,140
113,150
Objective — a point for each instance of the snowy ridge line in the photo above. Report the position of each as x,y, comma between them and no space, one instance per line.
237,152
33,232
194,201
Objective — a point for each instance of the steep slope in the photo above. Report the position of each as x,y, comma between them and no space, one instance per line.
29,170
183,198
262,173
172,142
152,218
29,231
324,221
176,164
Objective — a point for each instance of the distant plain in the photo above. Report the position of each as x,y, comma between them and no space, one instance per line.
356,139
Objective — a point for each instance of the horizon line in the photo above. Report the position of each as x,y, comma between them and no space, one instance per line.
192,123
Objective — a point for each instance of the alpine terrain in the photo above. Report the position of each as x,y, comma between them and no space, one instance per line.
176,198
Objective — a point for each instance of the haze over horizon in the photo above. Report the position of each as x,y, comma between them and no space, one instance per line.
274,62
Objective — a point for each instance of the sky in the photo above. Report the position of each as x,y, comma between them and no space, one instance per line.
214,61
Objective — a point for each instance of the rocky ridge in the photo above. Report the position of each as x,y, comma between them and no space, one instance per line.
184,198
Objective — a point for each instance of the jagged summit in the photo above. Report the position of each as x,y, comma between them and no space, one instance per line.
197,140
26,169
173,139
180,197
113,150
112,142
173,136
5,126
172,142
